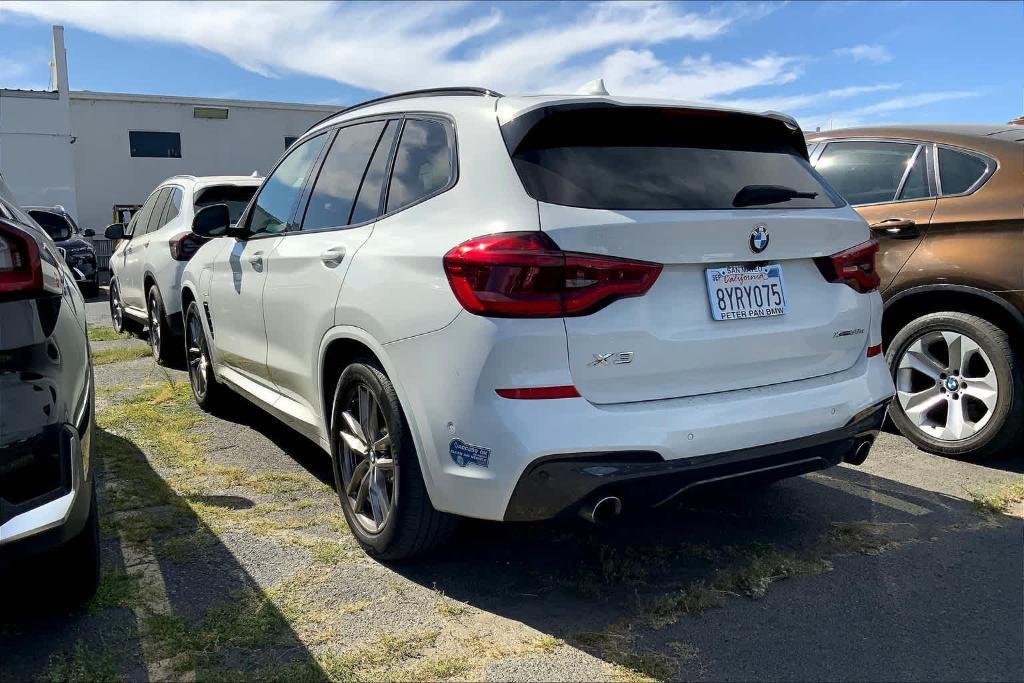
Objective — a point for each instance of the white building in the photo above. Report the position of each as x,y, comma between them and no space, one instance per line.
91,151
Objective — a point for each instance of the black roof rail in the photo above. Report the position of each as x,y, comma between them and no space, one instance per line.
426,92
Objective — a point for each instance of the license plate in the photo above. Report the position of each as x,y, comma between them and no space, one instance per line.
738,293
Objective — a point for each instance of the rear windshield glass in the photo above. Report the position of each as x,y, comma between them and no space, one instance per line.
55,226
634,158
235,196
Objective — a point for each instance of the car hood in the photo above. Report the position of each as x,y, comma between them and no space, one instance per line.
74,243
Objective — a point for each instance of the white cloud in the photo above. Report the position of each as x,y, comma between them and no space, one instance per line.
876,54
388,47
872,112
795,103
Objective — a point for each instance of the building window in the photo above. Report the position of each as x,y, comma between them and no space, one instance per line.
289,140
209,113
145,143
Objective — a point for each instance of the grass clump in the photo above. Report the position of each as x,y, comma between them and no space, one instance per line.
448,608
119,355
101,334
84,664
998,500
116,589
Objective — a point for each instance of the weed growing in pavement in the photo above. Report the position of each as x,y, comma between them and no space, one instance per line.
377,660
997,500
120,354
448,608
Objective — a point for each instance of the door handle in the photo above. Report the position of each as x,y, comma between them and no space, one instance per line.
899,228
256,261
333,257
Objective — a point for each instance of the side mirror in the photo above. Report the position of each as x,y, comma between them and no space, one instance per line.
212,221
88,232
114,231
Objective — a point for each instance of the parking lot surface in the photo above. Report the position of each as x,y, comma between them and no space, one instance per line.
226,555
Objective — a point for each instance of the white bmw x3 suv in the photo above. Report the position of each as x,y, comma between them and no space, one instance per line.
514,308
146,266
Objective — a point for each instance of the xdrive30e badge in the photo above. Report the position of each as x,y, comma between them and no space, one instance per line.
759,238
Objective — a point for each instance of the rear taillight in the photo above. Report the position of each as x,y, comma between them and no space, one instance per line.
185,247
526,275
22,264
854,267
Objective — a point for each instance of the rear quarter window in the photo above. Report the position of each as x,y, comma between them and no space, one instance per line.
652,158
959,171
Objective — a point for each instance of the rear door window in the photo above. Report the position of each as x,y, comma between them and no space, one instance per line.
866,172
144,214
276,200
423,163
334,194
959,171
368,201
657,158
173,206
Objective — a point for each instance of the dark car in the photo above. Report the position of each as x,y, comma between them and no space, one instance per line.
48,519
945,203
79,254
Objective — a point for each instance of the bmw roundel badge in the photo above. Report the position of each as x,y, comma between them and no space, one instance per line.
759,238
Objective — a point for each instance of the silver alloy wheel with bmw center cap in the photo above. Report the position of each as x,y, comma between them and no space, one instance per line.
957,385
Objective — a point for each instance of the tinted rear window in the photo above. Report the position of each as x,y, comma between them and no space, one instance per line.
636,158
55,226
235,196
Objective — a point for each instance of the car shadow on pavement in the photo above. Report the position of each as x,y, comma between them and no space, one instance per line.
639,592
173,598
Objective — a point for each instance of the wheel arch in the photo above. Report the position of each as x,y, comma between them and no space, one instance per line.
339,347
917,301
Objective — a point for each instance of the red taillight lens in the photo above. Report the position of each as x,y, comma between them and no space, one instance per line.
854,267
875,350
20,268
526,275
185,247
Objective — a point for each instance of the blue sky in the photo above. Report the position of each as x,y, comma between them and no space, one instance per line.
829,64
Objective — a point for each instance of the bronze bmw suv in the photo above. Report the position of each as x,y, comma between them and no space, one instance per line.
946,202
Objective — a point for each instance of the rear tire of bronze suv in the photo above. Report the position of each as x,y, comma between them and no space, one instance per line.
377,471
959,386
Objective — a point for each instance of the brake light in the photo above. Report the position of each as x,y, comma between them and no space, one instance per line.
854,267
185,247
526,275
21,265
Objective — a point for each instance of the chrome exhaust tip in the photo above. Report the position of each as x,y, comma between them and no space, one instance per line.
603,510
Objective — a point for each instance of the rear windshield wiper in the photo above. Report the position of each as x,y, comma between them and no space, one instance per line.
754,195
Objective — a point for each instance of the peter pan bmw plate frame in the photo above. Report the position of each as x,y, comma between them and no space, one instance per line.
741,292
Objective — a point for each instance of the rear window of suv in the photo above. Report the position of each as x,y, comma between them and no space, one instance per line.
656,158
235,196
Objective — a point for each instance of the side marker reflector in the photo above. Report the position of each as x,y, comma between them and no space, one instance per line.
875,350
534,393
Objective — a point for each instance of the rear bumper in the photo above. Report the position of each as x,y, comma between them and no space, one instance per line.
452,409
559,484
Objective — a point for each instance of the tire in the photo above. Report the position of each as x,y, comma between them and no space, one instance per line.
78,560
971,412
210,395
412,526
121,322
166,346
